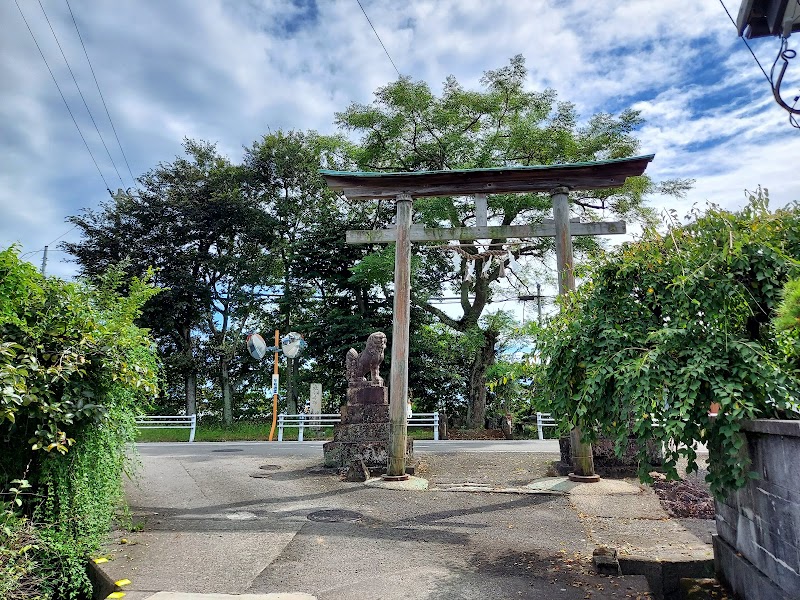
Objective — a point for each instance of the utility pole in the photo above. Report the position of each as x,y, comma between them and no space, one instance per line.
275,385
539,302
44,261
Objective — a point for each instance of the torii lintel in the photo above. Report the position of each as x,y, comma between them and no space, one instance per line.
501,180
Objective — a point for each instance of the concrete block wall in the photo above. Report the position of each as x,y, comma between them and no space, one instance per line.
757,549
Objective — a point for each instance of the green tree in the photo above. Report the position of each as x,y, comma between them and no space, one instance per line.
283,180
667,326
409,128
211,249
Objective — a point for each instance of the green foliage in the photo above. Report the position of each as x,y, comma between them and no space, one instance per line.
787,323
788,314
62,349
74,370
672,323
19,576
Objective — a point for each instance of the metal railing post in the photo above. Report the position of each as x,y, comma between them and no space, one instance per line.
436,426
280,428
300,431
539,425
194,426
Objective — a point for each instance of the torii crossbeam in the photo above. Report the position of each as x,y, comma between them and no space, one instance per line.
557,180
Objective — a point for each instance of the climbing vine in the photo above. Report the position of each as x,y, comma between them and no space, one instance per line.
668,325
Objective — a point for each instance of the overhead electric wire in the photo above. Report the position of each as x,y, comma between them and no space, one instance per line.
89,150
725,8
108,114
50,243
96,128
379,38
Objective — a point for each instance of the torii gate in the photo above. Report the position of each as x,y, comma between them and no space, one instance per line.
558,180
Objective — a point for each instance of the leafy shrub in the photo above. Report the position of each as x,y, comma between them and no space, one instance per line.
74,370
787,321
671,324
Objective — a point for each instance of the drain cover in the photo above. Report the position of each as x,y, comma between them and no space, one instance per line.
334,516
270,467
261,475
228,450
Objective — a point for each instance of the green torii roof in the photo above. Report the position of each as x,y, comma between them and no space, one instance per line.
497,180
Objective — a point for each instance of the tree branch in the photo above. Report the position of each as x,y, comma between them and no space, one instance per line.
443,316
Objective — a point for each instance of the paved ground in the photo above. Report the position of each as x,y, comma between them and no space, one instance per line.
203,524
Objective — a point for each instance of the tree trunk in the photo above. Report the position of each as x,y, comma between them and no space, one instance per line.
291,404
227,396
191,393
190,377
483,358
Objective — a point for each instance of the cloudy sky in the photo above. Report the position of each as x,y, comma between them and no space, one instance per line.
229,71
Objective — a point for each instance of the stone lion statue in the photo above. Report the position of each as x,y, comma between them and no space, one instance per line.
358,365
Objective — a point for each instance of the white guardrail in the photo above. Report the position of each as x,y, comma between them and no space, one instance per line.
168,422
544,420
313,420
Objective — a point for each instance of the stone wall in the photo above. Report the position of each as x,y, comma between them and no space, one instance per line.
757,546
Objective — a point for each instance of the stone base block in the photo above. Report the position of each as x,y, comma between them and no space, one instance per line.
356,432
741,576
370,413
374,454
664,575
606,462
370,395
605,561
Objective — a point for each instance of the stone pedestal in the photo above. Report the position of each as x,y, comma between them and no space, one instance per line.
363,434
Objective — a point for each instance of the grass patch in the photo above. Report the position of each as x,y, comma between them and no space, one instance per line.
420,433
251,431
242,431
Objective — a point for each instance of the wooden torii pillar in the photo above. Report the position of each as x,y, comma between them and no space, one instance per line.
557,180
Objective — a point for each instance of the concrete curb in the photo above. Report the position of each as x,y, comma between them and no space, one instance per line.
194,596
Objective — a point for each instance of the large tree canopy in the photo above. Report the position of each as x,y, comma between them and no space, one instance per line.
409,128
257,246
669,325
211,250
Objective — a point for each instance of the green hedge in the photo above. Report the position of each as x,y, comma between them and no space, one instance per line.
74,370
668,325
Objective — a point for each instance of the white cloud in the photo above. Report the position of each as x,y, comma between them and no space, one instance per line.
229,70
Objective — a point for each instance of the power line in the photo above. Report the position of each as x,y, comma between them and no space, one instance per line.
745,43
50,243
96,128
62,235
114,129
89,150
379,37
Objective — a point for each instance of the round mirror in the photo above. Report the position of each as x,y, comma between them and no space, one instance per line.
256,346
292,344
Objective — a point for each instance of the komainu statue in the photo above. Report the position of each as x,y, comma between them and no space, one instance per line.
358,365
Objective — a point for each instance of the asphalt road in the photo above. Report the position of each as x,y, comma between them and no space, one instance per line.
260,517
313,449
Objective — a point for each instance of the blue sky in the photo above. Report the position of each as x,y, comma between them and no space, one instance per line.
229,71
